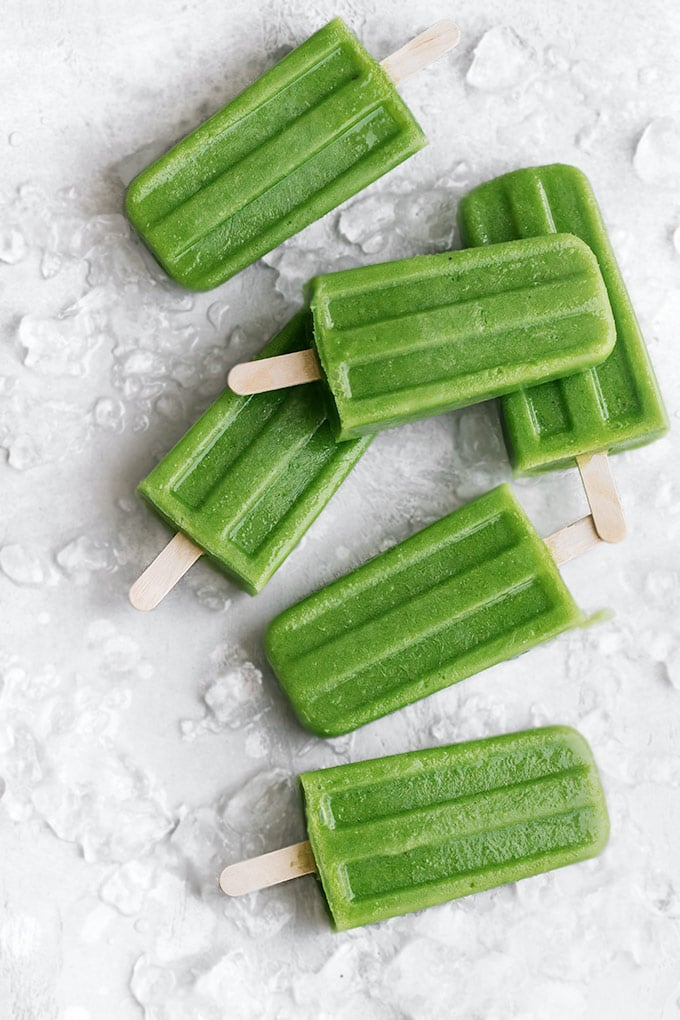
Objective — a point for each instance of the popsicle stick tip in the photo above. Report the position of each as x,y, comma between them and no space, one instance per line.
603,498
276,373
164,572
140,597
268,869
231,882
421,51
447,30
238,379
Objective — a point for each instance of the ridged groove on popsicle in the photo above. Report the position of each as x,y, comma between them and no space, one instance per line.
252,474
435,332
413,830
614,406
231,191
470,590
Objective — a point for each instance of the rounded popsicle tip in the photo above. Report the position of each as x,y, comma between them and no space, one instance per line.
164,572
277,373
421,51
448,31
615,531
141,597
232,882
241,378
268,869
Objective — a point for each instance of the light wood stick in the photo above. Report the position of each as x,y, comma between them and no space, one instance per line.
274,373
603,498
569,542
268,869
421,51
164,572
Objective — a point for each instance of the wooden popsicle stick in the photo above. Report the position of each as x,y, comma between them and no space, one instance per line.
602,496
576,538
268,869
164,572
427,47
274,373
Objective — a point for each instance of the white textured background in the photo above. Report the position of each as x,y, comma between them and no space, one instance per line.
141,753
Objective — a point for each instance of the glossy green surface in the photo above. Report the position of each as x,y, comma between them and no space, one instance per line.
398,834
318,127
612,407
248,479
470,590
404,340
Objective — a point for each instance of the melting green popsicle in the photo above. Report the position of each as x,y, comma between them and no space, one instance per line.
311,132
470,590
614,406
404,340
250,477
398,834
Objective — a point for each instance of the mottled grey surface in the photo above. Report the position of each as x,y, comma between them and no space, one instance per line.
141,753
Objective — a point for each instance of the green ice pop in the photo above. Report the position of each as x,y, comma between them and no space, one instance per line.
397,834
470,590
253,473
404,340
311,132
611,407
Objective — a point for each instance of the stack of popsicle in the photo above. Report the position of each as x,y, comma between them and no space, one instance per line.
533,311
250,477
583,417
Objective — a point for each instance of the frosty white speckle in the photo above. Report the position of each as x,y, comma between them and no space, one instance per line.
657,155
502,60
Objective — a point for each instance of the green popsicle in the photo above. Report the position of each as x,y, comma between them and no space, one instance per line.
404,340
611,407
470,590
253,473
311,132
397,834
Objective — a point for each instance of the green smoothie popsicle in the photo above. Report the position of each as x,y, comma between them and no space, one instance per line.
318,127
614,406
404,340
397,834
470,590
248,479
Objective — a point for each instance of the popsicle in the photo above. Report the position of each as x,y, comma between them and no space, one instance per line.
246,481
610,407
315,129
397,834
474,588
404,340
